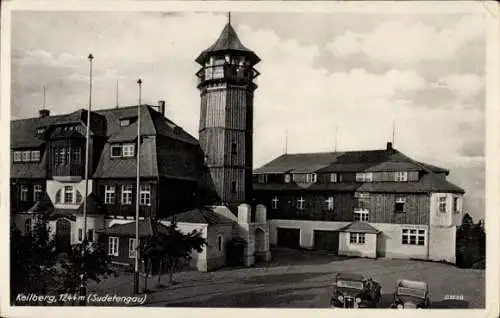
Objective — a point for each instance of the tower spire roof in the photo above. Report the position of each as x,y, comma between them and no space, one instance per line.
228,41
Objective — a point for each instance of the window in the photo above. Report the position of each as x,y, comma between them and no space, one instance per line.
413,237
401,176
456,207
262,178
18,156
116,151
62,156
128,150
362,200
109,194
113,246
333,177
274,203
220,243
361,215
329,204
35,155
399,206
127,194
364,177
124,122
69,194
442,204
37,192
233,187
28,226
132,247
80,235
39,131
300,203
357,238
76,156
145,194
27,156
233,149
287,178
24,192
311,178
90,235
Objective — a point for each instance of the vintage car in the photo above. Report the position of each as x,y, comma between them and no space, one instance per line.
411,294
354,291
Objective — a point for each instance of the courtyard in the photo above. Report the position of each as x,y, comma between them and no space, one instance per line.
302,279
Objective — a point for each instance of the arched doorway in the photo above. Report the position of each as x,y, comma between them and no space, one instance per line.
260,245
63,236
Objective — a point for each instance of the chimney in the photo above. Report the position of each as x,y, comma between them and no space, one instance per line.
44,113
161,107
389,146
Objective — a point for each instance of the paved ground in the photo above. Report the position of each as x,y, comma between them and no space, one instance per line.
303,280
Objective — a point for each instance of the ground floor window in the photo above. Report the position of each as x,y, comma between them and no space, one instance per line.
357,238
113,246
132,247
220,242
413,237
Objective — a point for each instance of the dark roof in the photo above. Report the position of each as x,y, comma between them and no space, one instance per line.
426,184
301,162
94,206
201,216
361,227
44,205
62,213
147,227
228,41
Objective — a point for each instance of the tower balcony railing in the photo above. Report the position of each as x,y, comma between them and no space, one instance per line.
227,72
68,170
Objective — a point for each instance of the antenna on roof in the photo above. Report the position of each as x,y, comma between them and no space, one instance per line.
43,106
117,104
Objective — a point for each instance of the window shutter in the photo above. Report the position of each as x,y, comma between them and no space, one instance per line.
58,196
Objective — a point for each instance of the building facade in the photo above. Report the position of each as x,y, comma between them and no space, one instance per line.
377,203
204,184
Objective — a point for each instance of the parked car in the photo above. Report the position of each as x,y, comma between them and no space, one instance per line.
354,291
411,294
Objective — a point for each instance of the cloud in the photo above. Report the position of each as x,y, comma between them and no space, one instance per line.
398,41
462,85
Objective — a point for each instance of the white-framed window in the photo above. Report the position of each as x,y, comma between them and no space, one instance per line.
362,200
18,157
69,194
27,156
288,178
28,226
300,203
399,205
311,178
128,150
220,243
116,151
364,177
113,246
361,215
274,203
442,204
109,194
333,177
24,192
413,237
39,131
124,122
126,194
329,204
145,194
456,205
401,176
35,155
262,178
357,238
80,235
37,192
132,247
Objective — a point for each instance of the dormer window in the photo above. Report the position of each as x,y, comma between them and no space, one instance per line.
333,177
125,122
40,131
128,150
18,156
262,178
401,176
35,155
26,156
123,150
364,177
116,151
287,178
311,178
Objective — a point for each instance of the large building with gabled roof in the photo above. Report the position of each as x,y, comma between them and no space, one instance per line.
373,203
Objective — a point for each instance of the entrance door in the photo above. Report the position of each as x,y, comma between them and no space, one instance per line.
63,236
288,237
326,241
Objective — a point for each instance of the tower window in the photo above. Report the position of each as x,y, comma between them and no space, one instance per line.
233,187
233,149
125,122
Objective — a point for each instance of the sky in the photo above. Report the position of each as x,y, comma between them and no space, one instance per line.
357,74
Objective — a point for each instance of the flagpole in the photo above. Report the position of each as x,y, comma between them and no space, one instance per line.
137,190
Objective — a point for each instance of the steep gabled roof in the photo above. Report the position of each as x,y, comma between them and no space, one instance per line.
228,41
200,216
359,227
